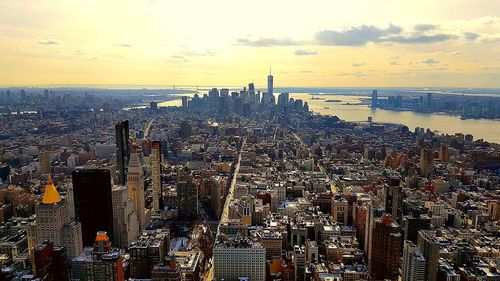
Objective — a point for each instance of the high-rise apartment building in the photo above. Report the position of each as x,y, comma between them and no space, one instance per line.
125,223
44,159
187,197
156,175
429,247
53,222
135,183
93,202
413,264
122,150
385,249
426,162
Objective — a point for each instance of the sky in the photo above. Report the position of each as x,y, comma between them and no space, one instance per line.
314,43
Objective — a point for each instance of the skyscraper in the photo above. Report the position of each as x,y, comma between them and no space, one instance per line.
413,264
122,150
93,202
156,175
125,223
270,90
53,222
385,249
429,247
374,98
426,162
44,159
135,182
187,197
184,102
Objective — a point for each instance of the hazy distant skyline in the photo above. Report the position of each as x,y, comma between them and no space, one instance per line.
446,43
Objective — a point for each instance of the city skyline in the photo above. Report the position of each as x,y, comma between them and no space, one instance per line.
452,43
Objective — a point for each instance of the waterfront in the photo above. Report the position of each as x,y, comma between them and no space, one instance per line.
448,124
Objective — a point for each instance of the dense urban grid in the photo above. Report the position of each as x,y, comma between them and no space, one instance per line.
238,186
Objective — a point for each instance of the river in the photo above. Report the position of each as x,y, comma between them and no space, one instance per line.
488,130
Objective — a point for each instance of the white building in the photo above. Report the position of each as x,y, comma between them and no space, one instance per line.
237,258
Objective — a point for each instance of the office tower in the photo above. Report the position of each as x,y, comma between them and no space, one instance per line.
51,262
122,150
186,129
224,92
283,100
392,197
149,250
135,183
426,162
374,101
93,202
153,105
125,223
429,101
385,249
270,90
100,263
156,175
444,153
240,257
429,247
413,264
167,271
53,222
184,102
187,198
45,166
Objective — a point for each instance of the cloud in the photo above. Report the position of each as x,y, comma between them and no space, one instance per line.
394,63
358,64
430,61
205,53
355,74
179,58
266,42
126,45
306,71
305,53
49,42
456,53
471,36
355,36
425,27
419,38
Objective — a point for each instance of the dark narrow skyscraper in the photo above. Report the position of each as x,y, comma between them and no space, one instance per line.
93,202
122,150
374,98
270,90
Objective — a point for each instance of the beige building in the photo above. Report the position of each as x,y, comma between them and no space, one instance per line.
125,223
135,183
53,222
